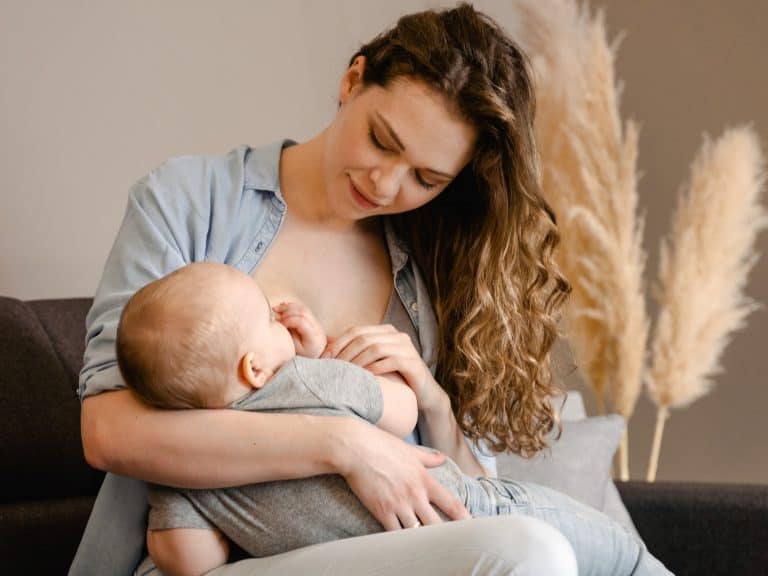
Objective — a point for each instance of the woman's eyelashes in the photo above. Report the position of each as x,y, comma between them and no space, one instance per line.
380,146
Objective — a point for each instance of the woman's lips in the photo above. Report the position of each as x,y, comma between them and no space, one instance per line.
359,199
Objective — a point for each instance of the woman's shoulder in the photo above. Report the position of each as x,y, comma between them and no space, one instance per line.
206,206
202,183
244,166
196,171
249,166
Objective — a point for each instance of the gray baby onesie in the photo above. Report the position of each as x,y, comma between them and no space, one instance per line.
273,517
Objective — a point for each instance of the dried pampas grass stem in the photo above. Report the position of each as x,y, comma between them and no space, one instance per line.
703,270
589,159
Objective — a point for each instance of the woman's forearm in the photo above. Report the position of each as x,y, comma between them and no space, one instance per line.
445,435
207,448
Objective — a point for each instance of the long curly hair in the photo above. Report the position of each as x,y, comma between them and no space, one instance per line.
486,244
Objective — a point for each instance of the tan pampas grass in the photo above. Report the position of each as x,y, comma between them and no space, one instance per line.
703,270
590,180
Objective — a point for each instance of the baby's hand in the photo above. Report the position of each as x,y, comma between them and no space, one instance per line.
308,335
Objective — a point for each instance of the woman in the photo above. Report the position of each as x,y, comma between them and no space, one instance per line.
419,205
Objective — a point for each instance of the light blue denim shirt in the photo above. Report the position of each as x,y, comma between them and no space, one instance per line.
225,209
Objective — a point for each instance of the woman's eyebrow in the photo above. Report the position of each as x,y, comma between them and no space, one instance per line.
400,145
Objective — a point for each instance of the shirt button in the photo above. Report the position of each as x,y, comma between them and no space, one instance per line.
415,306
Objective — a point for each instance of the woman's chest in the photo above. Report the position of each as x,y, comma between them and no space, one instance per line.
344,280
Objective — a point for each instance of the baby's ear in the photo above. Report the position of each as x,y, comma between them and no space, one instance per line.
250,371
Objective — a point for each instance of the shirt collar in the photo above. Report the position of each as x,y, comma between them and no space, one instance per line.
262,167
262,172
398,251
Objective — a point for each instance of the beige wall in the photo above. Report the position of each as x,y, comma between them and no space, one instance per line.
95,93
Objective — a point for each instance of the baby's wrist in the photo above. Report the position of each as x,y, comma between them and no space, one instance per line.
319,347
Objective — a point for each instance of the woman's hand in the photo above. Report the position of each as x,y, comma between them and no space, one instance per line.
390,478
382,349
308,336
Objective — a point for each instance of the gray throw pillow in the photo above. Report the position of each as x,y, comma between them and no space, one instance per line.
578,464
571,407
614,508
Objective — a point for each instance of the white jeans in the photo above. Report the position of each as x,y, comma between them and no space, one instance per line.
507,545
602,547
504,545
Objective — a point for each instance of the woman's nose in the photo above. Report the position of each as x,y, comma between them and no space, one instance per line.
388,179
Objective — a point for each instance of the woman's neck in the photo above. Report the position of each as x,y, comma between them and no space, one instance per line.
303,186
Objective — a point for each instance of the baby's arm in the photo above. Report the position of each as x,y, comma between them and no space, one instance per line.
187,551
400,410
308,336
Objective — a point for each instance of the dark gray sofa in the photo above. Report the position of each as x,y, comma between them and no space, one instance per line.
693,528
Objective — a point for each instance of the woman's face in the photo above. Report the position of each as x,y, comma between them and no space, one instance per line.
391,150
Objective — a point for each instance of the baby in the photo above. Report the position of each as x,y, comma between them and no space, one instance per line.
205,336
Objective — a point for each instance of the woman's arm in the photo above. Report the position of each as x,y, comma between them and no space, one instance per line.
444,433
170,221
217,448
205,448
382,349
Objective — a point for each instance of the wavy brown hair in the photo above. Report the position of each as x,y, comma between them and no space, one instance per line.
486,243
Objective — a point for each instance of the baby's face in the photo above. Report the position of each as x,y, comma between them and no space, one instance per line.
258,323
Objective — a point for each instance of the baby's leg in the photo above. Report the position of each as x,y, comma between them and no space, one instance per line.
187,551
602,546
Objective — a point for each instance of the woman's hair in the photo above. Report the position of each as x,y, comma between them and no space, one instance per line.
176,342
486,244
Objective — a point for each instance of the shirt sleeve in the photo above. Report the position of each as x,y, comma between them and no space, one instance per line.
343,387
188,209
169,509
168,223
147,247
326,387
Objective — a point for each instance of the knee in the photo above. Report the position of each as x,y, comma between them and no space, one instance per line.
547,551
529,546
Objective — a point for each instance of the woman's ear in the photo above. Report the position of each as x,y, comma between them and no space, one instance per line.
251,373
352,81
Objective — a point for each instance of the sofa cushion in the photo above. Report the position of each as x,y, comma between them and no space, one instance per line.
41,454
64,322
571,408
702,528
578,464
40,537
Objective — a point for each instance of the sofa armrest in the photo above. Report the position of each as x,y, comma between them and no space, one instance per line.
698,528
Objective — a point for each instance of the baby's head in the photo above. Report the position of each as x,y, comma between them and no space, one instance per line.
200,337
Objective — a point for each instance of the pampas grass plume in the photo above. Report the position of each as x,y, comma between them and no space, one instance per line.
590,179
703,269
